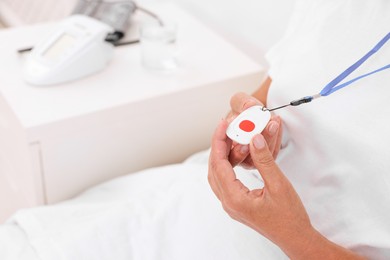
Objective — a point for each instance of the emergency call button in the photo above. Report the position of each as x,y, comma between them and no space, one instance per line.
247,126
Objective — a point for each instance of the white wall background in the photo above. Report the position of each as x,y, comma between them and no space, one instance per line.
251,25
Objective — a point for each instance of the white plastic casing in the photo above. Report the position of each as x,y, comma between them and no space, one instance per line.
247,124
75,50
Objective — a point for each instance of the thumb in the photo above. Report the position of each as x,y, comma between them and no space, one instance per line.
264,161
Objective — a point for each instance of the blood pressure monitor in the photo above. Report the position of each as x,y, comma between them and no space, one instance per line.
76,49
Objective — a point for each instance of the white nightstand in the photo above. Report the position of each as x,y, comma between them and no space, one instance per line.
57,141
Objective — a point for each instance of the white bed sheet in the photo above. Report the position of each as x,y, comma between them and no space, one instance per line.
162,213
14,244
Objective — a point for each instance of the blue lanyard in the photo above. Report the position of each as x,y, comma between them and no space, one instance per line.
333,86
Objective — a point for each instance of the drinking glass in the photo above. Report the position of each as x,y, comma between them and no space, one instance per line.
158,45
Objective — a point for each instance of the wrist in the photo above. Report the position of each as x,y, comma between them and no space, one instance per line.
313,245
304,244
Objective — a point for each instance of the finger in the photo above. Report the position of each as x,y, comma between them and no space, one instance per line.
218,152
242,101
271,133
279,140
238,154
220,143
264,162
230,116
247,163
219,166
256,193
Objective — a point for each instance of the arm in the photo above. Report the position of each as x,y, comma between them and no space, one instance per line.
241,101
262,92
275,211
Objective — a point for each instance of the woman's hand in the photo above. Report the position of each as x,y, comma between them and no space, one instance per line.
274,211
272,132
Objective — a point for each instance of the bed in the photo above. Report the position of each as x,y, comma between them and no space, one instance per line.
167,212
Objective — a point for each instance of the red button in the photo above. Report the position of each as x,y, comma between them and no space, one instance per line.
247,126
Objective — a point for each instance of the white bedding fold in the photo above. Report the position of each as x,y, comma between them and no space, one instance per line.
14,244
161,213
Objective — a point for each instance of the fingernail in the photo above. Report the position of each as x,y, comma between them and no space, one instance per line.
258,142
273,128
244,149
